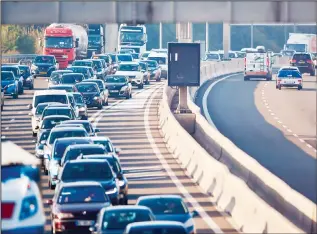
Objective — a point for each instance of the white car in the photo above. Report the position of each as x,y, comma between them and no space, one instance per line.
289,78
161,59
132,70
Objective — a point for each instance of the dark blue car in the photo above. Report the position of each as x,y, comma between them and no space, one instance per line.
28,80
44,65
17,75
9,85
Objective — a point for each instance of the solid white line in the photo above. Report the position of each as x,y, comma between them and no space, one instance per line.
309,146
295,135
272,114
284,126
275,117
280,122
205,97
172,175
301,140
289,130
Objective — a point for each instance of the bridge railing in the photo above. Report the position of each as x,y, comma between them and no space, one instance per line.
15,58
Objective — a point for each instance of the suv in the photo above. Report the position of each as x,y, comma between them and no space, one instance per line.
44,65
304,62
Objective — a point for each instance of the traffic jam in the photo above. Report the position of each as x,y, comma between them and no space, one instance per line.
91,191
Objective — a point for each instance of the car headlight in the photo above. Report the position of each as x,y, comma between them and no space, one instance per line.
28,79
64,215
40,151
29,207
124,88
82,109
112,191
121,183
96,98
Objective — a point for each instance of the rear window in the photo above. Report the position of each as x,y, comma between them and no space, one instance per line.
71,79
301,56
72,154
60,146
50,98
289,73
64,134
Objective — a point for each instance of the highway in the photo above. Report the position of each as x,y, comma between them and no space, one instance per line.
133,127
276,127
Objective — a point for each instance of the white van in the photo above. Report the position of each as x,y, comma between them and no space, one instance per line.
257,65
161,59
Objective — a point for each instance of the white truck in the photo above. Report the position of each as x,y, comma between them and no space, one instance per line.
258,64
132,37
301,42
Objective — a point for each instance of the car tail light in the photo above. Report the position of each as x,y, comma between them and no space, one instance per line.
309,61
279,80
300,81
267,62
293,61
7,210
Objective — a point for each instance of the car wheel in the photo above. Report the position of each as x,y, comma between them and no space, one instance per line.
52,187
299,87
15,96
131,95
125,200
34,134
140,86
279,87
32,86
107,102
45,171
1,107
312,73
128,96
100,106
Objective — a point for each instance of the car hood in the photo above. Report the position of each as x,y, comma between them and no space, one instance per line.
128,73
4,83
43,65
173,217
69,208
89,94
112,86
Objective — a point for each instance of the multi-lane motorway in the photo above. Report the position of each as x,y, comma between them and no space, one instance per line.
132,125
276,127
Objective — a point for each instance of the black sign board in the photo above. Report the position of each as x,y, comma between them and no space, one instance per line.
183,64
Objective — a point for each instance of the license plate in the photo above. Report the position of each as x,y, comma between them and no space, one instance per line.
114,91
301,62
85,223
42,72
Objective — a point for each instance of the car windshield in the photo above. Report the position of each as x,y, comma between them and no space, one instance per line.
87,88
50,98
18,171
119,219
60,87
143,66
6,76
71,79
115,165
57,111
135,56
126,58
301,56
289,73
65,134
145,55
82,194
40,109
116,79
78,98
129,67
158,230
106,144
212,56
166,206
151,63
159,60
44,59
83,63
15,70
72,154
57,75
51,123
87,171
97,64
99,83
60,146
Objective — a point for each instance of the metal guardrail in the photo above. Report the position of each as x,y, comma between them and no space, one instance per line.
15,58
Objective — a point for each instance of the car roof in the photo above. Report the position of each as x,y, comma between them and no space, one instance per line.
155,54
76,121
73,73
57,71
129,63
167,196
100,138
124,54
103,156
14,66
85,146
22,65
58,107
44,56
68,125
80,67
47,103
77,161
76,93
289,67
55,116
49,92
68,129
7,72
92,80
155,224
80,183
67,139
80,83
85,60
125,207
62,85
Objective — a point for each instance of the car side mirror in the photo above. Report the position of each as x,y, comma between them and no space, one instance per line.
49,201
117,150
43,142
76,44
92,229
97,130
29,106
194,214
37,127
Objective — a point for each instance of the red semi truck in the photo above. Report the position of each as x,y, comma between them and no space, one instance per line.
67,42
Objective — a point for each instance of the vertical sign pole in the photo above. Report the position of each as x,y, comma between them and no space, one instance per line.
252,36
207,37
161,35
226,40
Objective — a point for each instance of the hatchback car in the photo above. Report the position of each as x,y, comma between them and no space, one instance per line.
9,85
289,78
17,75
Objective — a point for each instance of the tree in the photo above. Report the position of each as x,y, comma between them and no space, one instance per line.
26,44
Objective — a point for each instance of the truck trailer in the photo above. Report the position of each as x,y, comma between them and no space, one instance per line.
67,42
301,42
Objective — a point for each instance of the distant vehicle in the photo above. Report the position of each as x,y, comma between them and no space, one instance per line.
108,60
212,56
68,198
96,42
44,65
146,72
98,170
157,227
161,59
9,85
66,87
301,43
289,78
133,71
126,51
86,124
114,220
104,92
99,68
71,78
17,75
27,76
160,51
67,42
145,55
257,65
83,70
85,63
304,62
58,110
154,69
135,56
22,208
55,77
91,93
81,106
169,208
132,37
125,58
288,53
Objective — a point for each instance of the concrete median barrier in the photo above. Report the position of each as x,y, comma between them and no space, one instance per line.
258,201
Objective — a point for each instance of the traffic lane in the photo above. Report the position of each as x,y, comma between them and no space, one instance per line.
232,108
133,126
292,111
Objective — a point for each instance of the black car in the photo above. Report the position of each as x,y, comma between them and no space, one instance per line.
28,80
81,106
44,65
119,86
72,78
98,170
91,93
304,62
75,206
116,167
103,90
56,77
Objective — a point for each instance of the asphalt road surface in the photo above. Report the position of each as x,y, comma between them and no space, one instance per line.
132,125
239,112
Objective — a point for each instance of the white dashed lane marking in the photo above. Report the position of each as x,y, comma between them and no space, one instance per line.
265,102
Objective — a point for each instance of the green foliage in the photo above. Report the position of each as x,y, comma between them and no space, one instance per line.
26,44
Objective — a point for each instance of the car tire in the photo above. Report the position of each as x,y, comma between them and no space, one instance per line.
45,171
107,102
312,73
299,87
131,95
34,134
140,86
52,187
100,106
246,78
31,87
128,96
15,96
279,87
1,107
